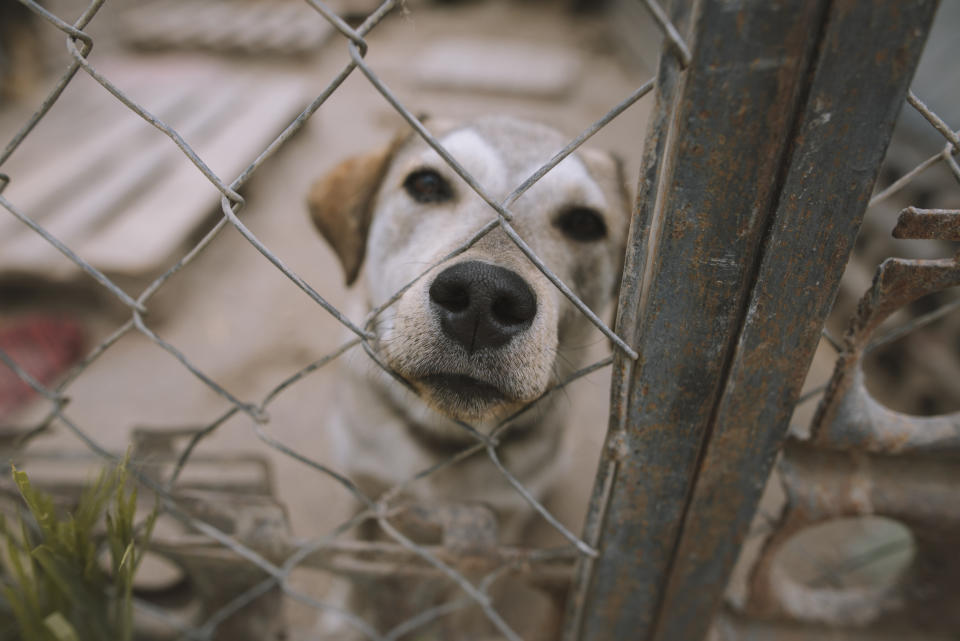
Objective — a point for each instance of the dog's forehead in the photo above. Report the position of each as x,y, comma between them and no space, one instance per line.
570,180
501,151
474,153
521,144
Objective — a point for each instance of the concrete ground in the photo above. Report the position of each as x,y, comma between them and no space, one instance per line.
246,326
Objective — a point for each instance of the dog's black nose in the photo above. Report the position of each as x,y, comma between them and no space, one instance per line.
482,305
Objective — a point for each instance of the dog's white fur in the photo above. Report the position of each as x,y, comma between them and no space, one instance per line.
383,432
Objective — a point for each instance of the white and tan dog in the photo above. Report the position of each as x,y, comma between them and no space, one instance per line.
482,334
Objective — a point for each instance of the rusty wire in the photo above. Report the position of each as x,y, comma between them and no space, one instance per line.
79,44
951,149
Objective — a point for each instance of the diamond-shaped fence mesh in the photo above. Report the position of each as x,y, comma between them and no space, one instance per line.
241,537
277,569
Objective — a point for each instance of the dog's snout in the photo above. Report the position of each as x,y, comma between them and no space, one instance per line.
481,305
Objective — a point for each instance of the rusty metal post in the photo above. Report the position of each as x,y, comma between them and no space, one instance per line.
757,171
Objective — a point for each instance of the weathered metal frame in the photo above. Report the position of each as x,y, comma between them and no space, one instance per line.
758,168
865,459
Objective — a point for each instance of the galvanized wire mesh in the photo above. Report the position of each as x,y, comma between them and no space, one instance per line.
375,508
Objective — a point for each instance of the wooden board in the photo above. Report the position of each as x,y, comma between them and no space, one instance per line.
119,192
288,27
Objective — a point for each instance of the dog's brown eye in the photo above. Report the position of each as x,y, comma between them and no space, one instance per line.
427,186
582,224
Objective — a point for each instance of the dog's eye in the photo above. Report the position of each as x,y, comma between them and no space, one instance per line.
427,186
582,224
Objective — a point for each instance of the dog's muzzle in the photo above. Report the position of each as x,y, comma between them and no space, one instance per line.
482,306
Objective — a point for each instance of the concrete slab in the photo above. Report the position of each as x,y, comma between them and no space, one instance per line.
281,27
498,65
123,195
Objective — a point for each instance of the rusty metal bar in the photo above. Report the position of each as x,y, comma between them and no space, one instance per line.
745,225
943,224
839,143
849,418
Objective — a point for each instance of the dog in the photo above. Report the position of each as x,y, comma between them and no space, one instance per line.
481,334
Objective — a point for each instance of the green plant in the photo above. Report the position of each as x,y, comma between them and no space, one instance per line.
52,575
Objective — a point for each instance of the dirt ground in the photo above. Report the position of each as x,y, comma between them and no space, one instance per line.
246,326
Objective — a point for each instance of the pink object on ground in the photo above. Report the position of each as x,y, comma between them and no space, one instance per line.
44,347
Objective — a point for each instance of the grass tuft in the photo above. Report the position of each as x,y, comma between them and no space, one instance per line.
54,585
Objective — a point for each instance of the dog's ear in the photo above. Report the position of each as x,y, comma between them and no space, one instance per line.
341,205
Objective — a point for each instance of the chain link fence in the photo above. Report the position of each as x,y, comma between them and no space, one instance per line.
243,534
271,561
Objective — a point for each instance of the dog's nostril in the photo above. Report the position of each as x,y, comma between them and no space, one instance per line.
452,296
514,309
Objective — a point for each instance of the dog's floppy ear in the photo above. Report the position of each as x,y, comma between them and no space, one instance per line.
341,205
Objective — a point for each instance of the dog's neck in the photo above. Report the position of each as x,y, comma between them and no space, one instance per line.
444,437
400,439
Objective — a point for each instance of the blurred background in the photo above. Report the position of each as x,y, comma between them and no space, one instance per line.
229,76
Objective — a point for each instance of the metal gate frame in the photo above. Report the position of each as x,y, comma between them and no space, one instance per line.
758,167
